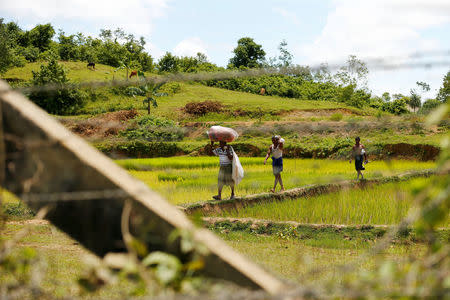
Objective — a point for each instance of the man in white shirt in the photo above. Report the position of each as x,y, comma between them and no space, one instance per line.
225,154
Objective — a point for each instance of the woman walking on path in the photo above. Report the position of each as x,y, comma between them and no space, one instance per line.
359,153
276,149
225,154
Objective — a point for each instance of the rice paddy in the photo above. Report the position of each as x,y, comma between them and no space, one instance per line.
385,204
192,179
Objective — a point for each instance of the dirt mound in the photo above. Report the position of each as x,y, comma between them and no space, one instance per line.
121,115
105,125
408,151
202,108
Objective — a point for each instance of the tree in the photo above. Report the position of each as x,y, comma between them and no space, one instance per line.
5,48
429,105
414,100
152,91
355,72
41,36
386,97
61,100
247,54
444,92
168,63
285,56
322,73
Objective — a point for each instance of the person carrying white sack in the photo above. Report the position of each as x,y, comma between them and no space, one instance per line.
231,171
276,149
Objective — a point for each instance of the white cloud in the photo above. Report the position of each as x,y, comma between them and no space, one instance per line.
135,16
190,47
287,15
376,28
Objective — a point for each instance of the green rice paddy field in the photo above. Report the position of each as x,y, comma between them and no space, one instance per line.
192,179
385,204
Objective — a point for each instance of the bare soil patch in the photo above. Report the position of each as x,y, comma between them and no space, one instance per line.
104,125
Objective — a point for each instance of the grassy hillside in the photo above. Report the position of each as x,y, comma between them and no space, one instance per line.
105,100
311,128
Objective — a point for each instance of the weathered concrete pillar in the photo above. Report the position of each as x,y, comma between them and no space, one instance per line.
47,164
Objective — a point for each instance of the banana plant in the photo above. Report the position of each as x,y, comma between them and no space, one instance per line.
152,92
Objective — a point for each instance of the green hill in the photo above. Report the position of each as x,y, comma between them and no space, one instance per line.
313,128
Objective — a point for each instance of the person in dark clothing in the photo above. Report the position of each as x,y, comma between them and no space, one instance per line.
359,154
276,150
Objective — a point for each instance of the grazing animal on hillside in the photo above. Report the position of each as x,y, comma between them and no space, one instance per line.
91,64
133,73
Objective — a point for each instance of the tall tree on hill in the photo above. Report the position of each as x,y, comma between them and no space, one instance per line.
41,36
444,92
247,54
285,56
168,63
5,48
415,100
353,73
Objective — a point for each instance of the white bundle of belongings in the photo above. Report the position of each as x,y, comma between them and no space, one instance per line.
238,171
220,133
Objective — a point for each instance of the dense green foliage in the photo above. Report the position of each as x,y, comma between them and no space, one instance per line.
444,92
170,63
247,54
296,87
113,48
152,128
61,101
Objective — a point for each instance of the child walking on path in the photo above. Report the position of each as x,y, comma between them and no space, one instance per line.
359,153
225,154
276,149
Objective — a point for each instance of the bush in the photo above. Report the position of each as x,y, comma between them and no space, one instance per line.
336,117
429,105
59,101
170,88
202,108
152,128
397,107
139,148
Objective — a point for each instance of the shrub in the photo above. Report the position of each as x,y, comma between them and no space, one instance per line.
202,108
429,105
336,117
61,100
152,128
397,107
171,88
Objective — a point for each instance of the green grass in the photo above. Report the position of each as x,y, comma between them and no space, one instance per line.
292,259
66,261
170,106
77,72
196,177
380,205
63,259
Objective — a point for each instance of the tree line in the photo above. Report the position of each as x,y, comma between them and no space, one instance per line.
122,50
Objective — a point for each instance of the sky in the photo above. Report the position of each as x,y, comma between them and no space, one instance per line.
316,31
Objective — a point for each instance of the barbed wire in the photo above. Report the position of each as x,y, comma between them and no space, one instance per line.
387,63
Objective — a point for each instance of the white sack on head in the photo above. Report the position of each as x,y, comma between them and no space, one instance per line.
220,133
